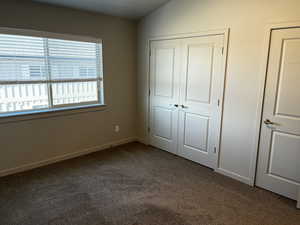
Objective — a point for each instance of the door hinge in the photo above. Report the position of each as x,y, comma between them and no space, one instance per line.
149,92
218,102
148,129
215,150
150,52
222,50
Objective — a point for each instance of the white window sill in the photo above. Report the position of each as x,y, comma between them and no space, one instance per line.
48,113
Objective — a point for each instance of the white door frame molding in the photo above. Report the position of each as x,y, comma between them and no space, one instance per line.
225,33
261,94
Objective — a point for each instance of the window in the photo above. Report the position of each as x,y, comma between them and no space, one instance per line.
38,73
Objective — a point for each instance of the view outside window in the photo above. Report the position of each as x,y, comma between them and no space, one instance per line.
42,73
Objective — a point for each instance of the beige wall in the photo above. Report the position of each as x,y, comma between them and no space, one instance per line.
247,21
31,141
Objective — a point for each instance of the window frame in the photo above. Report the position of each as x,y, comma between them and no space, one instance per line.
61,108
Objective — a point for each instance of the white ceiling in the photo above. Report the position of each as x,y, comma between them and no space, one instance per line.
124,8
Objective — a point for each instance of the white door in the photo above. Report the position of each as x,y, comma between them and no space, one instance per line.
279,153
164,86
200,96
186,80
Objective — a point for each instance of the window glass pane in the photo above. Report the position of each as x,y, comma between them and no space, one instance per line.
17,45
21,58
74,59
73,69
74,92
71,49
99,61
22,69
22,97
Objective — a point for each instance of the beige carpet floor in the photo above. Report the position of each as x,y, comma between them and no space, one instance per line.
136,185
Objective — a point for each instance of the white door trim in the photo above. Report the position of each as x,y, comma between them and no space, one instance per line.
225,33
261,94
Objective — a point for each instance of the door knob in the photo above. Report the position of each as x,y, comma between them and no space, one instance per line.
184,107
176,105
269,122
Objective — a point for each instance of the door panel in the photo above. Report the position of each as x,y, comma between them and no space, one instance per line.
199,73
162,123
164,79
285,164
196,132
164,74
289,80
200,90
279,154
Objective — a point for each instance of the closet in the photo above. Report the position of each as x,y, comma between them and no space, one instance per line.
186,89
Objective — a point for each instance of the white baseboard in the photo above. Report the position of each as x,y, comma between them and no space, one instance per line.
65,157
142,141
235,176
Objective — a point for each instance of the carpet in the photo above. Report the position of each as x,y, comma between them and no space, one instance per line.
136,184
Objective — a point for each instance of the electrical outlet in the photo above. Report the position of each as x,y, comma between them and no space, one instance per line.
117,128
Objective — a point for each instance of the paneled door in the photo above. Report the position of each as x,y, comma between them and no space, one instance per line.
279,152
164,94
200,96
186,80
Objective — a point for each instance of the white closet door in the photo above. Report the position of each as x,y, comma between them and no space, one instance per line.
200,93
279,153
164,86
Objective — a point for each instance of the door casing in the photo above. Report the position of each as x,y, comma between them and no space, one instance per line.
225,33
279,140
262,88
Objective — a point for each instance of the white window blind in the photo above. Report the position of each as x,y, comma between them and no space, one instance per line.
43,73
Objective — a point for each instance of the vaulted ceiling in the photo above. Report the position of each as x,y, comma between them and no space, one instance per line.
124,8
